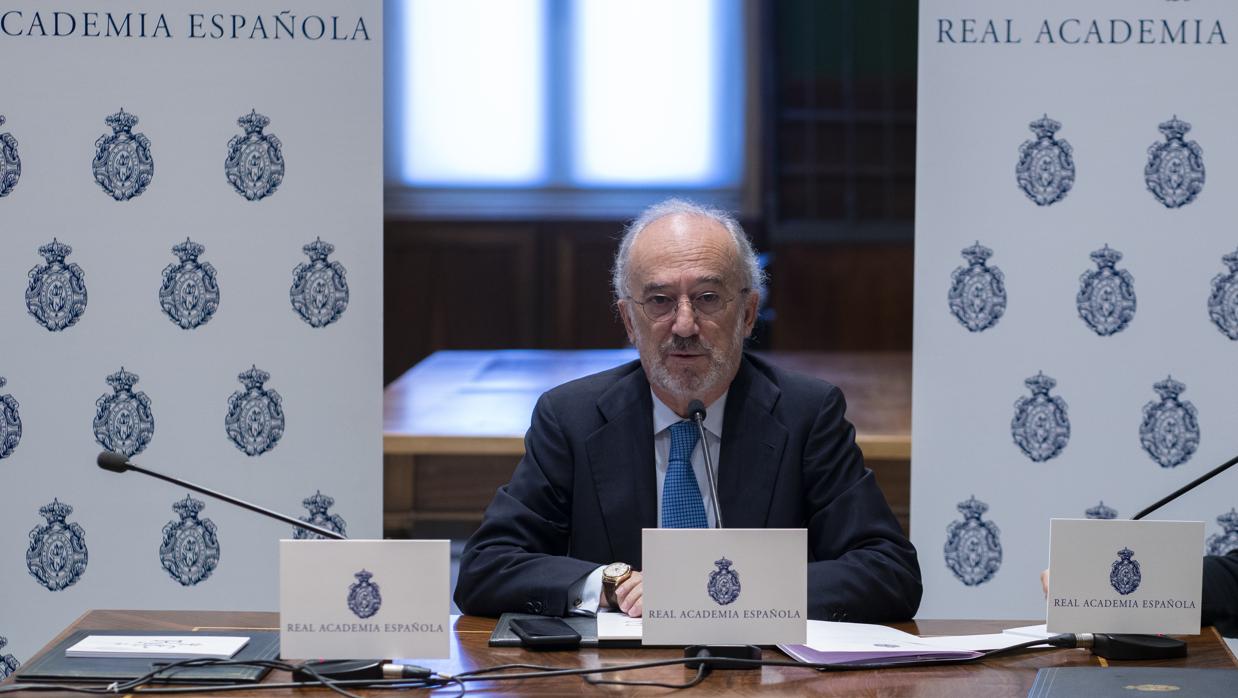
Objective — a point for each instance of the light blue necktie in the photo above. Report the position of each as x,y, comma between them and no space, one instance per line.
682,506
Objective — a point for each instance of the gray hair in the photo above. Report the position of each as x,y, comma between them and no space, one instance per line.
753,275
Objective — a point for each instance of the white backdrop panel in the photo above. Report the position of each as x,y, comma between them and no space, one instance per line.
188,88
975,103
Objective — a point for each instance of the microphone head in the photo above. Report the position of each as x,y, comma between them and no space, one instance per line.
115,462
696,409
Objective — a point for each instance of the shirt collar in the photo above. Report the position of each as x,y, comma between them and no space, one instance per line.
664,417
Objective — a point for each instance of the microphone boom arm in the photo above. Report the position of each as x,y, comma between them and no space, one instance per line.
324,532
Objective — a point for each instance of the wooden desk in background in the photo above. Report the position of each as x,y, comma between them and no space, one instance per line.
993,678
454,424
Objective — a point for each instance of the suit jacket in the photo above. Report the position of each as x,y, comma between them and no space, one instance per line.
586,487
1220,606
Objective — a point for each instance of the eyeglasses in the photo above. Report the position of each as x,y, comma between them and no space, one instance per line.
660,306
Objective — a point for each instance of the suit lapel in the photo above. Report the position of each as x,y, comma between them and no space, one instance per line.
621,459
752,445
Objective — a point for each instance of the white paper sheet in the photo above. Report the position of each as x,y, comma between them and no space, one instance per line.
613,625
157,646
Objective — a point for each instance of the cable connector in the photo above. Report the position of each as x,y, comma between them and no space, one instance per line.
720,653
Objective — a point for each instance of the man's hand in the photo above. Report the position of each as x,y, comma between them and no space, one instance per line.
1044,582
630,596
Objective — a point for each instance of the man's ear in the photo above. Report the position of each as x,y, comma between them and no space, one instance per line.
625,312
751,304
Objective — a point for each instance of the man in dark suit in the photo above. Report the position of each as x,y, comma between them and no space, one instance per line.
610,454
1220,602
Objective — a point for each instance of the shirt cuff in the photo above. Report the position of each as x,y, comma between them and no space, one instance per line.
585,595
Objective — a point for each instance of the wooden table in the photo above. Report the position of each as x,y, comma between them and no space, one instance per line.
454,424
1011,675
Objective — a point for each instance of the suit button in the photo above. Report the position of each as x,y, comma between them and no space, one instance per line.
534,607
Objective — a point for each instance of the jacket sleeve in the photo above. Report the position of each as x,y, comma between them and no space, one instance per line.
862,567
1220,599
516,561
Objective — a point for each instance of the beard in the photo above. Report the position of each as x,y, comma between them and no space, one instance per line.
686,382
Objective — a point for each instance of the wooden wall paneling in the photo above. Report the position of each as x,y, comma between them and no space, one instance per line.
585,254
842,297
458,286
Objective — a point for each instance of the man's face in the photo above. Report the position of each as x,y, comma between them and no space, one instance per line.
687,354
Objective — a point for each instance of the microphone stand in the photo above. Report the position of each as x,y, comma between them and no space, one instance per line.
696,410
338,669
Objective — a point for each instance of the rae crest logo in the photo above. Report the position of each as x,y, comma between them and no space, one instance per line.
723,583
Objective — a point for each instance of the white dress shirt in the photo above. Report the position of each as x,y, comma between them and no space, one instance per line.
586,593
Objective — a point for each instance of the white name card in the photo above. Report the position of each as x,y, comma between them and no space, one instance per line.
364,599
1125,576
725,586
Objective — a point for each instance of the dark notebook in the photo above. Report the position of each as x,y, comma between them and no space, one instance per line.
1130,681
55,667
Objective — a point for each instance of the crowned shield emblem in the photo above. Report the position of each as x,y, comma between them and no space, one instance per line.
318,505
1223,543
977,293
1223,301
255,162
189,294
190,548
123,165
10,163
319,291
56,293
1175,170
1106,299
1169,431
1124,573
8,663
255,419
1100,511
1040,426
57,555
973,548
364,598
1046,170
10,423
723,584
124,422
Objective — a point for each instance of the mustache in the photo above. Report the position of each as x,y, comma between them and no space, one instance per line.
676,343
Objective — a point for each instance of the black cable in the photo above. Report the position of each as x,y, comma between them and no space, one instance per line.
163,672
494,673
701,672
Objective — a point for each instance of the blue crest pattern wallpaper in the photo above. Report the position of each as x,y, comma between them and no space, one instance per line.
56,294
10,161
1046,169
10,423
1082,364
123,165
1175,169
189,294
255,163
173,290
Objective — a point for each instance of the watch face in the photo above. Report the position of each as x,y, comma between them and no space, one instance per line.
616,569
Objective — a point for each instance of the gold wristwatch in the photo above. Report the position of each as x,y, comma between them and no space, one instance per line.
613,575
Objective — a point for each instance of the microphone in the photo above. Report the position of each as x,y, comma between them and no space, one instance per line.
117,463
696,411
110,460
